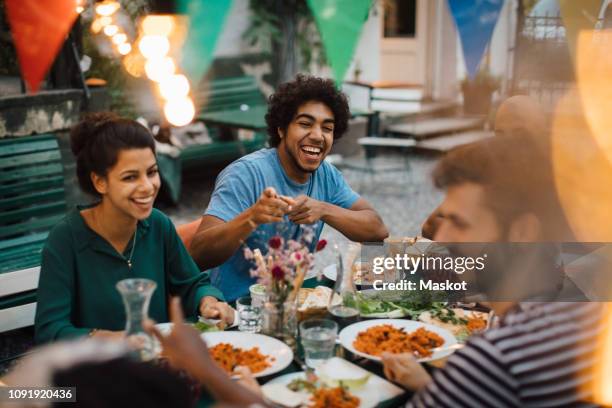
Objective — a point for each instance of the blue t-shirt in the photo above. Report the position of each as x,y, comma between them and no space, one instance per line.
240,185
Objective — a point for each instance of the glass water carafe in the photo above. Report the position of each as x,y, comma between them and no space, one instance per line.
136,294
343,304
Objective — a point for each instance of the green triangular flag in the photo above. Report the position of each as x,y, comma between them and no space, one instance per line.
206,21
340,23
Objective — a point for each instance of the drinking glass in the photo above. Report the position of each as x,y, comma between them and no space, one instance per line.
249,314
136,294
318,338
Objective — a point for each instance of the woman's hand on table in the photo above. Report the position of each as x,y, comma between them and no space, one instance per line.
211,308
405,370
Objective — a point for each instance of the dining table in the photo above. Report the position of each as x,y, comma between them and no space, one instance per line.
298,364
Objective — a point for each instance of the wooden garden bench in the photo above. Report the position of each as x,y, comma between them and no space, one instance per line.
32,201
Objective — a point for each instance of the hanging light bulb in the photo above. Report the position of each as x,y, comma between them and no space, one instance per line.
80,6
134,64
111,30
152,46
119,38
107,8
158,25
179,111
159,68
124,49
174,86
99,23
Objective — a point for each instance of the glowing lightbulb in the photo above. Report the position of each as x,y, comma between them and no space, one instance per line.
124,49
179,111
134,63
154,46
159,68
107,8
157,25
80,6
111,30
119,38
99,23
173,87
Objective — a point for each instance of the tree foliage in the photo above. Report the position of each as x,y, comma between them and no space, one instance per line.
286,29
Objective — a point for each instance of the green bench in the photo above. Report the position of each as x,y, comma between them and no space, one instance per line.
232,102
32,201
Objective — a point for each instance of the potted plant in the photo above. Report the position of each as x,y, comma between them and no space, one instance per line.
477,92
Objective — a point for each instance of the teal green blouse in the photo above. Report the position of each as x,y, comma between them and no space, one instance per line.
80,269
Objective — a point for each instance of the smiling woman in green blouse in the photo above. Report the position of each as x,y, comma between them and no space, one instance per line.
120,236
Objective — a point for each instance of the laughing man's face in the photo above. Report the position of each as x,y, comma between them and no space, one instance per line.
309,136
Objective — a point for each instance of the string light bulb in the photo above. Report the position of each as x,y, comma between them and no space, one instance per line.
159,68
157,25
80,6
179,111
111,30
124,49
107,8
154,46
174,86
119,38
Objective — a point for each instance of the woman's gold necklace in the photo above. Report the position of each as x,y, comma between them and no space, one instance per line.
127,260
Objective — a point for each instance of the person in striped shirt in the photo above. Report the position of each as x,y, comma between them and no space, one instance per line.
542,353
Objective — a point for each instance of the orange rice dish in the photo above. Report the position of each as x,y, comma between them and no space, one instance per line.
229,357
333,398
476,324
385,337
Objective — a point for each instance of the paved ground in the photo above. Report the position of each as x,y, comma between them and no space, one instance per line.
403,198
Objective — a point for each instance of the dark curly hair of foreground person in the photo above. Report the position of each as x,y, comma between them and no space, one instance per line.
284,103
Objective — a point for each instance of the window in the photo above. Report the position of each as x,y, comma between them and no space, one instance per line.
400,18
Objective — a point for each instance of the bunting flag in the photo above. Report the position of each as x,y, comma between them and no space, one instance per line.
39,28
340,23
475,21
206,22
578,16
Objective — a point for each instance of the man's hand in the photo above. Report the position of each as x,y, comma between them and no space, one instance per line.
183,347
269,208
211,308
405,370
307,210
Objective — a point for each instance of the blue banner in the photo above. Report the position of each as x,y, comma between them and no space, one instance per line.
475,22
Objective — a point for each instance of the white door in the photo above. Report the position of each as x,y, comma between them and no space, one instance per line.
404,40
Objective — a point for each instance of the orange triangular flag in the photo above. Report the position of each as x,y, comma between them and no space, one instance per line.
39,28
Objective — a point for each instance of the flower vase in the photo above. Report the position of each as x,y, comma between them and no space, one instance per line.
279,320
136,294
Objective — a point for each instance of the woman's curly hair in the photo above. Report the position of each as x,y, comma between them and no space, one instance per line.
284,103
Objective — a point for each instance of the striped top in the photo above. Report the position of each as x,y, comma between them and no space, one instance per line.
540,356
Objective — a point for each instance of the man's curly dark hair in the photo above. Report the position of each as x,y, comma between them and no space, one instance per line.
284,103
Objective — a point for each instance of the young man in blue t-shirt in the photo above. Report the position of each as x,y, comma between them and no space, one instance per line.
278,190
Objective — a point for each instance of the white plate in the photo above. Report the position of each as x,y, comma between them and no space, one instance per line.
348,335
269,346
368,396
